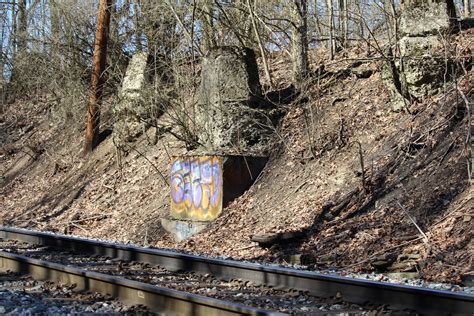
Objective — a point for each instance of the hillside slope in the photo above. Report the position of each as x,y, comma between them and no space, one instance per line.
412,211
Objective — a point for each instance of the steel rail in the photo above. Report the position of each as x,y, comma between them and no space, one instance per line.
423,300
157,299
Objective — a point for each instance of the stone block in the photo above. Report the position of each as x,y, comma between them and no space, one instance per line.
132,112
397,102
425,19
201,186
400,276
229,74
182,230
418,46
424,75
135,76
229,119
424,68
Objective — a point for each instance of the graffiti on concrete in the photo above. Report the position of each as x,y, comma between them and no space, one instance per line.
196,188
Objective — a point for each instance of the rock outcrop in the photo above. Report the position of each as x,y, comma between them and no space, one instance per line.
422,66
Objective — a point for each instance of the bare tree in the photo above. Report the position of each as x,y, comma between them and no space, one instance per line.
13,29
2,51
260,44
138,28
331,42
208,39
343,21
55,26
300,41
98,75
23,26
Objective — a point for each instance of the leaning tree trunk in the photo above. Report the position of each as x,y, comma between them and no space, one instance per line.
300,42
98,76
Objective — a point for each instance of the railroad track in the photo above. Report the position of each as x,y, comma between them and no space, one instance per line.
156,299
425,301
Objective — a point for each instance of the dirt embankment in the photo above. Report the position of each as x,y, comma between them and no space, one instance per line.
409,208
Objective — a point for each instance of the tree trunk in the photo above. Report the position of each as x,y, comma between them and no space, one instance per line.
300,42
260,45
13,41
55,28
98,76
184,28
23,26
13,34
360,21
451,9
467,8
388,18
138,27
2,54
331,29
345,23
248,36
342,21
208,40
316,19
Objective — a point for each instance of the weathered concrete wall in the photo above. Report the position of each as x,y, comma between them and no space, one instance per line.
196,188
228,117
202,186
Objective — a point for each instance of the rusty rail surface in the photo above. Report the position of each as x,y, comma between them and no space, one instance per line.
423,300
157,299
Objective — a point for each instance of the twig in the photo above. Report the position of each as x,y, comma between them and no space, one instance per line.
341,129
451,213
246,247
80,227
446,153
186,31
151,163
470,160
382,251
425,238
88,218
361,159
166,150
300,186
